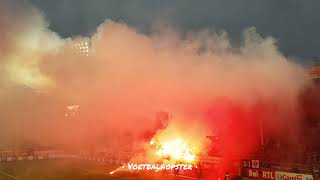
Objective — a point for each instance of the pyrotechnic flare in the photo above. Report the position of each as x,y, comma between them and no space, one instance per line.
121,168
176,149
179,143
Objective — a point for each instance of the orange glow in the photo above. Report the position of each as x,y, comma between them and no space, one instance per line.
177,149
179,143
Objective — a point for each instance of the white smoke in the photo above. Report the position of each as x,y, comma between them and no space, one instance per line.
130,76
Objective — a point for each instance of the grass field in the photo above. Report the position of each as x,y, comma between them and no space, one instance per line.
53,170
61,170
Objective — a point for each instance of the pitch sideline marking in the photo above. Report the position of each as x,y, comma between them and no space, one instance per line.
9,175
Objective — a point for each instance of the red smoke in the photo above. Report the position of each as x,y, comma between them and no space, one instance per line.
208,85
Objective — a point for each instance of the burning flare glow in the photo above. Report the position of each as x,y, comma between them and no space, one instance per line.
179,142
176,149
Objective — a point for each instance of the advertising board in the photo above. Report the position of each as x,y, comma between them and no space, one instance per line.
260,174
250,164
292,176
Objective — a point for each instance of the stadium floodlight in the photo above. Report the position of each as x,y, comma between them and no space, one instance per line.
73,107
72,111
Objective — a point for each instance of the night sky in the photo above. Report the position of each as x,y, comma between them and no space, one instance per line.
294,23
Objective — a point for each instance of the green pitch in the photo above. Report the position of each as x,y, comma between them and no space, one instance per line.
59,170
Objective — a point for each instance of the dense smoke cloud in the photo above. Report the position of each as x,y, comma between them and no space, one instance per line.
198,77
